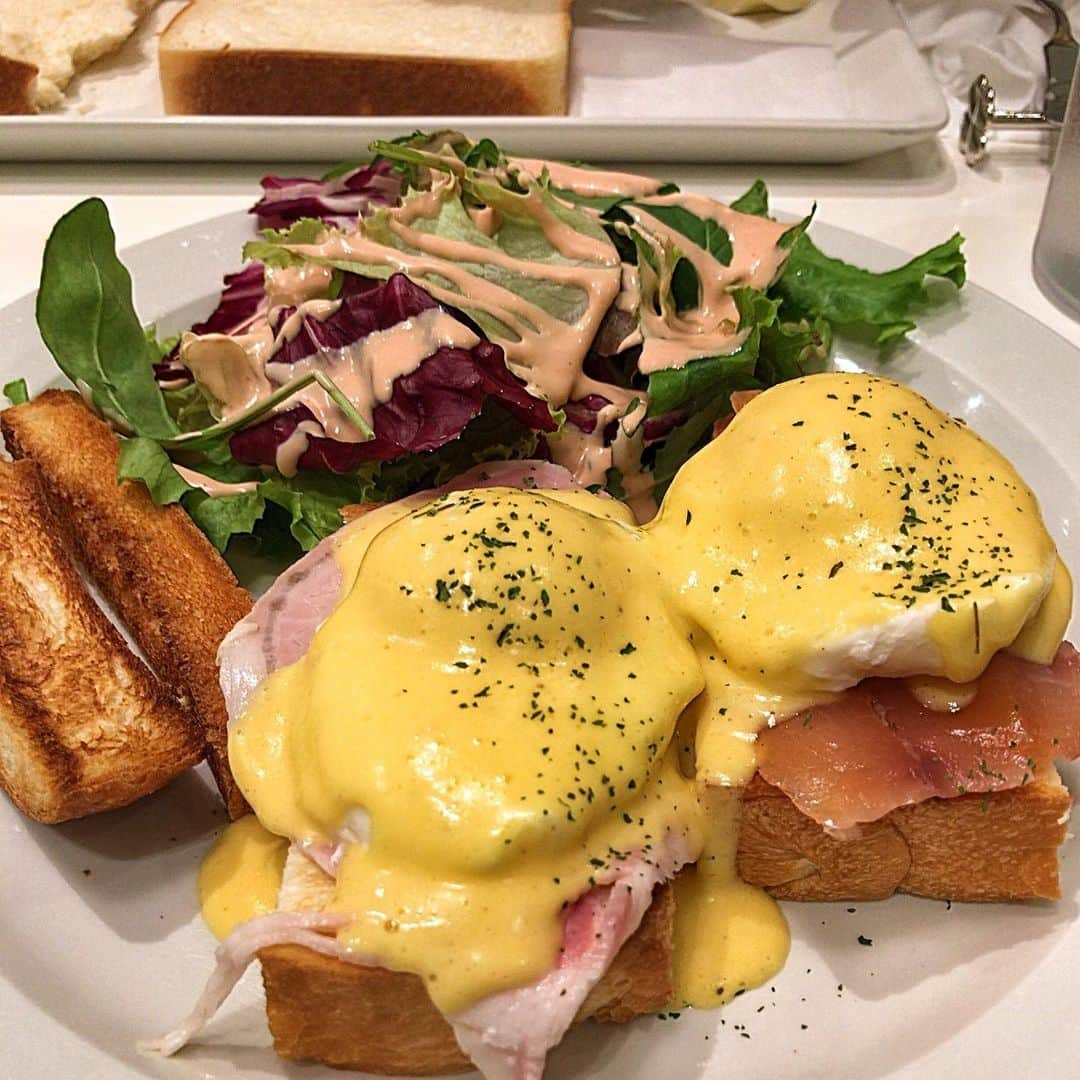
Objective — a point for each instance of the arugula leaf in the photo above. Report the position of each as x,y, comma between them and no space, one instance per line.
814,284
484,153
697,384
16,392
87,319
754,201
685,286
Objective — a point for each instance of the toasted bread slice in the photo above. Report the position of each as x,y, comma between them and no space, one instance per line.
84,726
995,847
352,1017
367,57
170,587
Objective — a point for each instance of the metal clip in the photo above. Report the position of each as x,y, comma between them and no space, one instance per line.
982,113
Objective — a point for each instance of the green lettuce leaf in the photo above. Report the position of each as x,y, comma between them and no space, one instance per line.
223,517
272,249
696,386
790,350
691,436
814,284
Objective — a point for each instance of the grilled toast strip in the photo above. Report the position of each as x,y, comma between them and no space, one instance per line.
84,726
170,587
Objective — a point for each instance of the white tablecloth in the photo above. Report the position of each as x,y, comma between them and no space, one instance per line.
909,198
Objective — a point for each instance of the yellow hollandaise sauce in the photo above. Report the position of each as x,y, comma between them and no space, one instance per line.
729,936
497,693
241,875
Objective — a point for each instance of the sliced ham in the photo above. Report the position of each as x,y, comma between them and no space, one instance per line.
877,748
234,956
508,1035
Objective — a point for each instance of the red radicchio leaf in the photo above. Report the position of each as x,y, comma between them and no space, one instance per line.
337,201
428,407
243,299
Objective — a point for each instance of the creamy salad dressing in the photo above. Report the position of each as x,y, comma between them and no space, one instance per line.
214,488
293,285
671,339
289,452
541,349
545,351
584,181
365,370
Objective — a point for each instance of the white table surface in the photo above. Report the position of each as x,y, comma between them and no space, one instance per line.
910,198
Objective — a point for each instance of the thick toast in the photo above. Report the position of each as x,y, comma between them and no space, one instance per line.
170,587
1002,846
352,1017
998,847
84,726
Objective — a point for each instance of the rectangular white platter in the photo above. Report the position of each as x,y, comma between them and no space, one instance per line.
651,80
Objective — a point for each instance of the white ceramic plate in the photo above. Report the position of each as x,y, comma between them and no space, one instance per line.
102,944
650,80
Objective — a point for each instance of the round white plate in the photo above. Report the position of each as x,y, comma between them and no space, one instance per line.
102,943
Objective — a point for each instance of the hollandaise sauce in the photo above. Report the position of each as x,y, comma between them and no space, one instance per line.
499,688
241,875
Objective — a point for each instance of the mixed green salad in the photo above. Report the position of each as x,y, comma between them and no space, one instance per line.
432,223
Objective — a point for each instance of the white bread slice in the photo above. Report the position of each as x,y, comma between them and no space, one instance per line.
366,57
58,38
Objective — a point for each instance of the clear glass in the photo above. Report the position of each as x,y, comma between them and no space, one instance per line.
1056,259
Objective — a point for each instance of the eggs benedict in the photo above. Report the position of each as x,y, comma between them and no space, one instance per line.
498,718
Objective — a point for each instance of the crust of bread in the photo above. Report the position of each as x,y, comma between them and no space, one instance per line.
997,847
352,1017
251,82
169,586
84,726
298,83
16,79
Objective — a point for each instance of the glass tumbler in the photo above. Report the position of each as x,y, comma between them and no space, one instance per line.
1056,259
